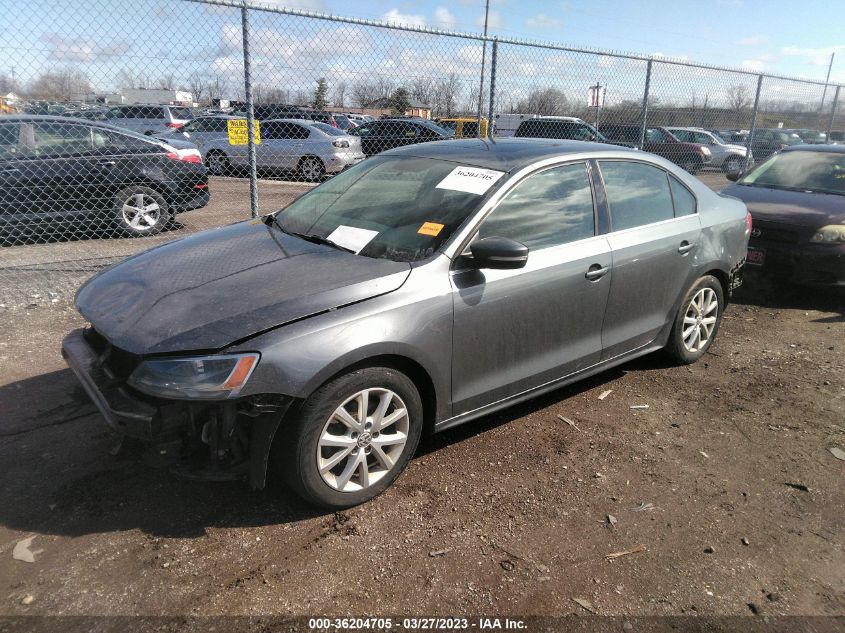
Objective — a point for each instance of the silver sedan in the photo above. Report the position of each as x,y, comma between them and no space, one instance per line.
308,148
729,157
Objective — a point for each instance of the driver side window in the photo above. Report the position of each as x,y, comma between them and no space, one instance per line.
546,209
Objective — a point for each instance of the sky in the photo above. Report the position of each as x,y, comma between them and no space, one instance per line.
102,38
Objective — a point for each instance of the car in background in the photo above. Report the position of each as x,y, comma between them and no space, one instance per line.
82,176
464,127
725,156
201,130
797,201
836,137
768,141
343,122
148,118
559,128
383,134
267,111
810,137
692,157
428,286
308,148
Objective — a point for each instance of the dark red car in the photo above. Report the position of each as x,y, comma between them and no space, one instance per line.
797,203
690,156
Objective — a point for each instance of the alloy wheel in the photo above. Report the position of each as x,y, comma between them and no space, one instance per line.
700,319
141,212
312,169
362,439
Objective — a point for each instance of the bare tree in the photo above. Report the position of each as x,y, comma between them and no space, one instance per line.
544,101
339,94
61,84
128,78
196,82
739,97
365,92
422,90
8,83
166,82
446,94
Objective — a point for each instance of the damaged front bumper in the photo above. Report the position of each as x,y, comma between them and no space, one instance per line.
223,440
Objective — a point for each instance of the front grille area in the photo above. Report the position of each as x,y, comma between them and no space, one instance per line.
119,362
775,232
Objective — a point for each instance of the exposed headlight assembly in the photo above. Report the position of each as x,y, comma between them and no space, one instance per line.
830,234
199,377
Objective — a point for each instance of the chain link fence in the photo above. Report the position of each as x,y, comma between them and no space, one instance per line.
112,143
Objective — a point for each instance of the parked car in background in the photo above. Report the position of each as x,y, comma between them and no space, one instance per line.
559,128
464,127
378,136
837,137
267,111
728,157
506,124
428,286
84,176
797,200
692,157
343,122
201,130
148,119
810,137
769,141
308,148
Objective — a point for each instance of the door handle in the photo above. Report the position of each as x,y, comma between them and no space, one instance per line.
685,247
596,272
107,163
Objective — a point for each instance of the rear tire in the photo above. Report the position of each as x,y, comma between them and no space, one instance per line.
333,456
217,164
697,321
311,169
140,211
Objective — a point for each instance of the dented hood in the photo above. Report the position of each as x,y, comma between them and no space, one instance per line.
209,290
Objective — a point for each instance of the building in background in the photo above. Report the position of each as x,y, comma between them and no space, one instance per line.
131,96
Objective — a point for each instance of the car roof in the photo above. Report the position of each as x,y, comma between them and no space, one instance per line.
505,154
55,118
826,149
691,129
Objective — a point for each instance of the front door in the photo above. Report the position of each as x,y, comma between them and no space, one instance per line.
518,329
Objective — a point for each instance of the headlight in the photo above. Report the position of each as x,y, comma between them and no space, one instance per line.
341,143
202,377
705,151
830,234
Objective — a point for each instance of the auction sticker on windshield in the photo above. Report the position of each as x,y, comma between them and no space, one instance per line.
352,238
470,179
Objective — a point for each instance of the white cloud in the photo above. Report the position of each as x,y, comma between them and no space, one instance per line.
494,21
394,16
542,21
72,49
444,19
815,56
753,40
757,65
605,61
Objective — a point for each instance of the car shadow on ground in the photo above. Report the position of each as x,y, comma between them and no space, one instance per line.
768,292
64,477
56,233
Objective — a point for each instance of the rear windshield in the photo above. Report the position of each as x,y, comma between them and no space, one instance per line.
328,129
819,172
181,113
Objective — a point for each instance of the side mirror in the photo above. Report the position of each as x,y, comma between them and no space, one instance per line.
499,253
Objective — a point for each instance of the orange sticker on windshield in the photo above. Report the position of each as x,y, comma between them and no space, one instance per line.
430,228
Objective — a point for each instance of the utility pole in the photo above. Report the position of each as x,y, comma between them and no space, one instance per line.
826,82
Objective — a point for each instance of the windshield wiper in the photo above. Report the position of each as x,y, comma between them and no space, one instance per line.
314,239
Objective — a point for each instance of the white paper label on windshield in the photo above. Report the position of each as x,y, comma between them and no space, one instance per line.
470,179
351,237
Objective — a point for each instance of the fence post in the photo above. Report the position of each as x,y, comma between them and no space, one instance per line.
644,111
753,122
832,112
492,89
250,113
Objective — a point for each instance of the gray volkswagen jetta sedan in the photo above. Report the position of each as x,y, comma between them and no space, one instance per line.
425,287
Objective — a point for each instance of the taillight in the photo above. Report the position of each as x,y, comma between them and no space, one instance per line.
174,125
186,156
332,122
748,222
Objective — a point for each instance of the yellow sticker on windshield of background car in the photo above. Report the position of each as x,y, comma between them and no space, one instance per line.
430,228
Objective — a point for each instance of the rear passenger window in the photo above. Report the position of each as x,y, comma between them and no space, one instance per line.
58,139
683,199
546,209
637,194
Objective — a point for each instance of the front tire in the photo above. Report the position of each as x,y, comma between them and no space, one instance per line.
733,165
351,439
697,321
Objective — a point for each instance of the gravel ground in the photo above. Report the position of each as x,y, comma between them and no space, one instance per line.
724,491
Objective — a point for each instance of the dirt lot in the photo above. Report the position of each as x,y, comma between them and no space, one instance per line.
725,484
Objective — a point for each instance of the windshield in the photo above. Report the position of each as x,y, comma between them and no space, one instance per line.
821,172
437,128
448,125
391,207
328,129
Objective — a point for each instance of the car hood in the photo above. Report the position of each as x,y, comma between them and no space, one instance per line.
214,288
811,210
734,148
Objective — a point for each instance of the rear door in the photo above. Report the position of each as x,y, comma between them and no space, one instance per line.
518,329
280,146
654,247
13,195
